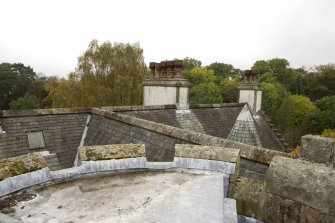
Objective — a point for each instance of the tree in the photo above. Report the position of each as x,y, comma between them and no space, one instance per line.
320,82
15,81
229,90
199,75
205,93
106,75
222,70
293,117
190,63
273,96
323,117
26,102
279,68
203,88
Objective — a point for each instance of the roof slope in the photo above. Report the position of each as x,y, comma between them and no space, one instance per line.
228,121
215,121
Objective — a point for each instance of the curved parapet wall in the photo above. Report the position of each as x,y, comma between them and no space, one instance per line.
124,157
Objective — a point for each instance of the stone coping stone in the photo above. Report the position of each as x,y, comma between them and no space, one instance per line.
106,152
207,152
318,149
17,165
309,183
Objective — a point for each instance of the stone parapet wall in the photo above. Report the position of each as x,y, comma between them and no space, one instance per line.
106,152
14,166
207,152
310,184
136,162
318,149
293,191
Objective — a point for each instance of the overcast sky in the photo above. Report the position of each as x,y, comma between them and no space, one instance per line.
50,35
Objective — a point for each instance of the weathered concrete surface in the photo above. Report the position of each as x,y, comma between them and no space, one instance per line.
207,152
7,219
318,149
105,152
302,181
13,166
187,196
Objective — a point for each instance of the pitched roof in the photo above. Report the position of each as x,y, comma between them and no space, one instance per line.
228,121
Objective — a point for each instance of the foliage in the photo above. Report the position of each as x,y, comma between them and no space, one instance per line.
323,117
229,90
190,63
26,102
199,75
293,115
205,93
294,152
107,74
279,68
16,80
273,96
330,133
320,82
203,85
222,70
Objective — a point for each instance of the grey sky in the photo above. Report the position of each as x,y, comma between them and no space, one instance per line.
50,35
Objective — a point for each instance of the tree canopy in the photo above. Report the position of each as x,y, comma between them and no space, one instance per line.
16,80
107,74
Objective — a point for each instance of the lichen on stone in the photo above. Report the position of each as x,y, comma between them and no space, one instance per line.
20,164
105,152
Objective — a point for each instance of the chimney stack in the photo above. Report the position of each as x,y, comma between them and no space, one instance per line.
166,85
250,91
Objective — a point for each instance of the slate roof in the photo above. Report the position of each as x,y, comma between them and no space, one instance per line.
228,121
215,121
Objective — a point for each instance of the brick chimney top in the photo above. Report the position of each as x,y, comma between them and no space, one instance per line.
166,69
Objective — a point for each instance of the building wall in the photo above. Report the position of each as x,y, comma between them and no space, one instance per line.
252,97
61,132
159,95
183,98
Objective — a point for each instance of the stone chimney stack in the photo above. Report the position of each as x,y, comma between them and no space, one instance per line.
166,85
251,92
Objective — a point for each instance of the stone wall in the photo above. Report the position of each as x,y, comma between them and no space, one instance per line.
318,149
299,191
14,166
61,128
